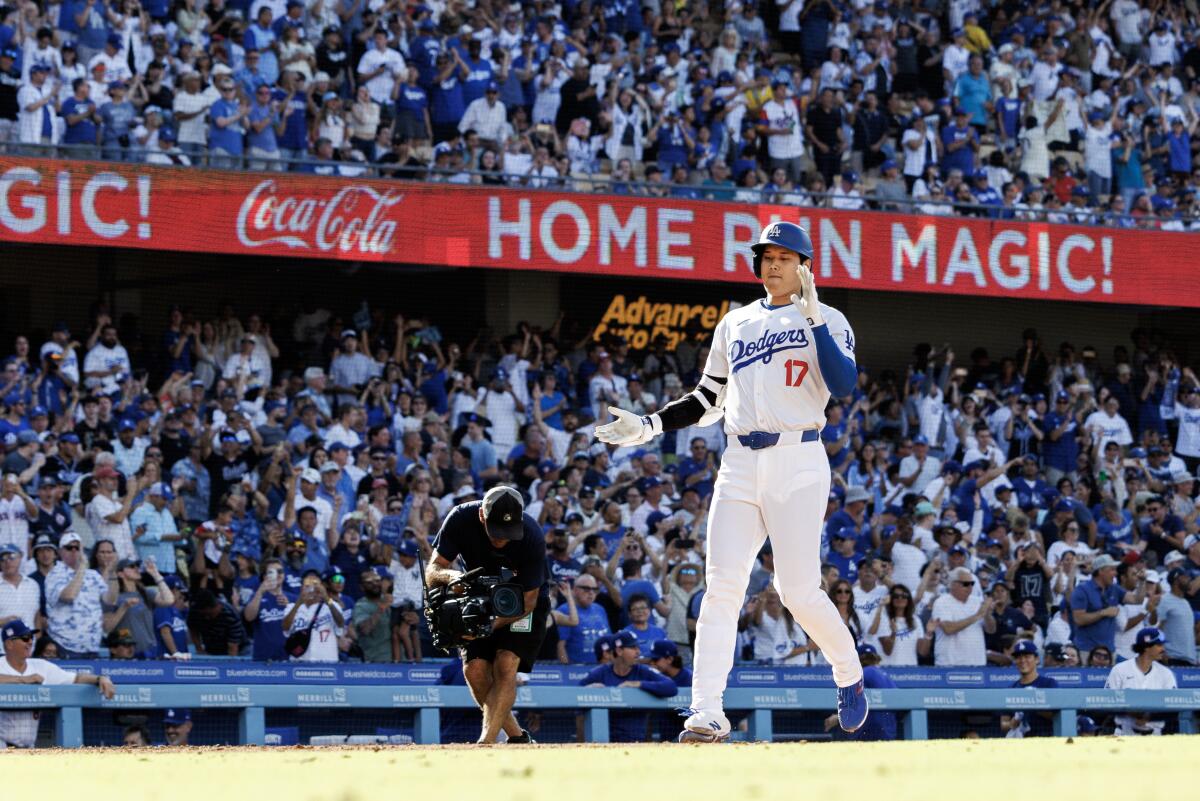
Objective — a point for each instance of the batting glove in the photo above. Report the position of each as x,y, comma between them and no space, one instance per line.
806,302
628,428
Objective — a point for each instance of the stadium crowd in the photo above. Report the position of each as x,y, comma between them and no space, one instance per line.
1059,111
215,486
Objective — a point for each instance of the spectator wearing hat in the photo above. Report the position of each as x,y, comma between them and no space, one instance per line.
19,729
1023,724
20,596
1172,613
154,529
133,607
170,621
625,671
38,118
666,659
177,727
958,622
1095,605
1145,671
120,644
73,601
108,513
407,598
129,449
117,118
919,467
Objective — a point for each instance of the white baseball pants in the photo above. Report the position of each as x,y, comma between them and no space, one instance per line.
780,492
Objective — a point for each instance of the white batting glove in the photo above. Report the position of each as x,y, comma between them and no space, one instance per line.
626,428
806,302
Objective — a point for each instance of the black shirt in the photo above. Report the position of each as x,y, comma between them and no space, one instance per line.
217,634
10,84
462,534
825,124
224,474
53,523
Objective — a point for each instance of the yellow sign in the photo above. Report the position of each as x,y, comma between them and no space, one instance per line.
641,320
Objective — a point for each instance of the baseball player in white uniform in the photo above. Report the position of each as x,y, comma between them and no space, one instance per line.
771,370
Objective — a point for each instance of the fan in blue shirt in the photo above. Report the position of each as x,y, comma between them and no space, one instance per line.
624,671
170,622
576,643
640,626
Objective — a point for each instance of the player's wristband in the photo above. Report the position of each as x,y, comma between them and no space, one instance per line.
654,422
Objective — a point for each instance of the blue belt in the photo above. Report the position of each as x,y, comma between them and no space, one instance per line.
757,440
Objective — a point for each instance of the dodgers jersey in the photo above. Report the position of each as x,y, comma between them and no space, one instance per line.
769,357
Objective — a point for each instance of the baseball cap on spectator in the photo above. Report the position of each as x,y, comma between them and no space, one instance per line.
465,491
38,411
856,494
923,509
16,628
1102,561
161,490
951,467
407,548
330,467
103,471
888,165
1024,647
573,517
124,563
844,533
43,541
1171,558
602,645
174,582
27,437
959,549
338,446
1085,725
383,572
69,538
311,475
866,649
176,717
648,482
624,639
503,510
664,649
1148,637
121,636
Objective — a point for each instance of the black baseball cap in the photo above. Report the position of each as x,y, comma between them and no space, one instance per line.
503,508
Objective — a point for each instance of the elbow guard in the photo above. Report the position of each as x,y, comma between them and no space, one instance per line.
838,370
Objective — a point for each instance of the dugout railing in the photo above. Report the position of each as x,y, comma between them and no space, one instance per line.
250,703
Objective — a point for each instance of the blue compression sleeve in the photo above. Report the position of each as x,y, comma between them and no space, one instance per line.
837,369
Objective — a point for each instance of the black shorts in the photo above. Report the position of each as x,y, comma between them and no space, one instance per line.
525,645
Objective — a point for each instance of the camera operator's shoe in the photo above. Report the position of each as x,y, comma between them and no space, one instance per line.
852,707
704,727
525,738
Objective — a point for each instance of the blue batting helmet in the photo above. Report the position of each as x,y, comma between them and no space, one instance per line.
785,235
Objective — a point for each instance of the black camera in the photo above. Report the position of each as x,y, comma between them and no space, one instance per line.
467,607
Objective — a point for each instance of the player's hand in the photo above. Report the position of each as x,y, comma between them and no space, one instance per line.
806,302
626,428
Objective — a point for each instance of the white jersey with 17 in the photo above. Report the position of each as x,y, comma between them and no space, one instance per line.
769,356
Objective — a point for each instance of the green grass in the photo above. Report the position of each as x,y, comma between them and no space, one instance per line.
1147,768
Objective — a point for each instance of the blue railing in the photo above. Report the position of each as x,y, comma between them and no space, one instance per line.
250,701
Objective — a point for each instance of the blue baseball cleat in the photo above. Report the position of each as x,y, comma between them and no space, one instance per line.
852,707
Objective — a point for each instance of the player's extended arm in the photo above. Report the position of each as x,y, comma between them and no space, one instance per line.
628,428
838,370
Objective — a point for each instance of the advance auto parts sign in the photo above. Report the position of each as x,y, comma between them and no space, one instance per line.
640,320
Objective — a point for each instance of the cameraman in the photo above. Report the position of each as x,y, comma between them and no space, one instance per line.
495,534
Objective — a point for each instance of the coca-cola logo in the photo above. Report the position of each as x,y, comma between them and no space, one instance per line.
354,219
